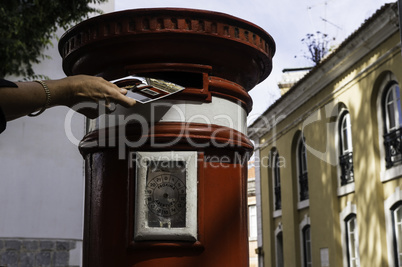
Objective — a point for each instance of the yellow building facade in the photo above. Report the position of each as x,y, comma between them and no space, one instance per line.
329,157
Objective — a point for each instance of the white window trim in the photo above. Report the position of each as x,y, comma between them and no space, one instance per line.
278,229
396,171
304,203
305,222
347,188
347,211
277,213
388,203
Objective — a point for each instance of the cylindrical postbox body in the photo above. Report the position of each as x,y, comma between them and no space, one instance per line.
166,181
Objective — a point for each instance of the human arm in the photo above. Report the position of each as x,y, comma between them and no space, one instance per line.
30,97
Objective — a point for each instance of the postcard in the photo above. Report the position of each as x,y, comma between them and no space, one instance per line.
145,90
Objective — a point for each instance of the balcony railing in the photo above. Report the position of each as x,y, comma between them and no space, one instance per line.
303,182
393,148
346,163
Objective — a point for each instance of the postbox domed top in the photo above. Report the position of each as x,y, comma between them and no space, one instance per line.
118,44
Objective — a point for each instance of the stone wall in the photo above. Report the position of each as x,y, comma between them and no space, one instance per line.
35,252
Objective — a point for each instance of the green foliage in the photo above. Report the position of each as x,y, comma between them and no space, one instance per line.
27,26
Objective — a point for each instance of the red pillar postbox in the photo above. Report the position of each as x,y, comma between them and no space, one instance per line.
166,181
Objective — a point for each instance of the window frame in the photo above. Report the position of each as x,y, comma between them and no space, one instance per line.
276,172
345,153
345,119
279,256
348,212
276,184
392,133
302,173
392,87
397,239
307,259
349,245
390,204
302,226
386,174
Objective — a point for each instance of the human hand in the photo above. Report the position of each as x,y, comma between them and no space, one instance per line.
81,89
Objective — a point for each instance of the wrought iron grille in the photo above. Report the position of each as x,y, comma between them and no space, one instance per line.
346,163
393,148
303,182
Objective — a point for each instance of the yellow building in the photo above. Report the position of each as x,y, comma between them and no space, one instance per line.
329,157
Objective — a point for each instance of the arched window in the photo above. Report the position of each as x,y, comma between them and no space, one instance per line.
307,260
277,180
393,226
302,169
279,250
393,123
352,241
346,149
393,108
350,237
305,242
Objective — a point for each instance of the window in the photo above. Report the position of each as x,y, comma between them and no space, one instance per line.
389,120
349,236
346,149
305,242
352,241
277,181
393,108
307,261
279,250
252,217
302,169
397,226
393,224
393,122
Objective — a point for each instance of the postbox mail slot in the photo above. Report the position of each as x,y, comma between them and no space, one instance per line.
195,77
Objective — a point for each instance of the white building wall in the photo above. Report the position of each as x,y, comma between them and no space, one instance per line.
42,172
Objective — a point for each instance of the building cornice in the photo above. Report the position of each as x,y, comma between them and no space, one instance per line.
382,25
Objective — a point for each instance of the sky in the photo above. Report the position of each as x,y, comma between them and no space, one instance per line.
287,21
